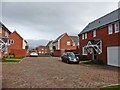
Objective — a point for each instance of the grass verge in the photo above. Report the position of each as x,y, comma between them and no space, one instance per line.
12,59
113,87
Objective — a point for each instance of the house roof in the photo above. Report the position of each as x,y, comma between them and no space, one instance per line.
2,25
109,18
58,38
49,43
74,38
41,46
17,34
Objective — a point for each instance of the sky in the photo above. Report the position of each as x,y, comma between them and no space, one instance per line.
48,20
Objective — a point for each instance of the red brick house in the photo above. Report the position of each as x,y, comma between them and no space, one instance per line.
65,43
100,39
4,33
41,50
18,45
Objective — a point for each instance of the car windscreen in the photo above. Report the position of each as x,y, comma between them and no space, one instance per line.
72,55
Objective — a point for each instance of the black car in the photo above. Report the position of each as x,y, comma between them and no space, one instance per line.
70,57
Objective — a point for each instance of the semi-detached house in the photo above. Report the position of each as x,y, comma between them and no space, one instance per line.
12,43
100,39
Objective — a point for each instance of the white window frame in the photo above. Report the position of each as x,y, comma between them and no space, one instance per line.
94,33
11,41
6,33
73,43
116,28
42,49
68,43
83,51
85,35
110,29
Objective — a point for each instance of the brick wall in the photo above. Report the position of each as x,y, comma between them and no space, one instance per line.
19,52
42,50
63,43
18,41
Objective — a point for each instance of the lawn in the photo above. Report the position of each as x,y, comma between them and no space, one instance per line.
12,59
114,87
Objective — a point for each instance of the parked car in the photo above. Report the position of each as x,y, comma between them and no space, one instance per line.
33,54
69,57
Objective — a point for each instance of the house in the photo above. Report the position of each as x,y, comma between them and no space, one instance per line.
100,39
41,50
4,39
18,45
50,47
64,43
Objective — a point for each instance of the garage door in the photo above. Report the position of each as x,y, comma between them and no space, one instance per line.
113,57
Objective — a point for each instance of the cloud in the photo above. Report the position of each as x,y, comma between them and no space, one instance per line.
47,20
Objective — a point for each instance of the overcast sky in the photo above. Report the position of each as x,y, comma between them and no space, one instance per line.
37,20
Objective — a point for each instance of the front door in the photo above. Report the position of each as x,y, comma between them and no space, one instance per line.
94,56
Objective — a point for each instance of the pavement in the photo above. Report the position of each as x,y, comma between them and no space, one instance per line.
50,72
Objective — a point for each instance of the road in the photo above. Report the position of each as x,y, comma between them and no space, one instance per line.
50,72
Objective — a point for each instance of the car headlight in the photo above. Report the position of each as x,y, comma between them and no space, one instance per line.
77,57
69,58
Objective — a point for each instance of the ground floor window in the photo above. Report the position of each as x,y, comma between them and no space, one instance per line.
84,51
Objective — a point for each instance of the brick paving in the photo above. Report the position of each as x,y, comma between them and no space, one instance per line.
50,72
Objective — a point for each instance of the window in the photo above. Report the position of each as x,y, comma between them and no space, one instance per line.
42,49
85,35
94,33
84,51
6,34
39,51
116,27
110,30
82,36
11,41
68,42
73,44
42,52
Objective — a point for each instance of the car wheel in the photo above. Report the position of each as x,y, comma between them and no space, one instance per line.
68,61
77,62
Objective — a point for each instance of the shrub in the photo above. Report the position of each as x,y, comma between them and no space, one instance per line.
11,55
100,62
84,58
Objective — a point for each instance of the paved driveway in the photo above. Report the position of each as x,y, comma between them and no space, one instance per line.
49,72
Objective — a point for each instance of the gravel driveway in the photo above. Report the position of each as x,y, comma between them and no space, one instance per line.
50,72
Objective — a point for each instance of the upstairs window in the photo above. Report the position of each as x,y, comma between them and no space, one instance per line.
110,29
94,33
116,27
11,41
83,37
6,34
68,43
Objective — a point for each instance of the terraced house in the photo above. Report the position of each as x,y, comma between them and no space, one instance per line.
100,39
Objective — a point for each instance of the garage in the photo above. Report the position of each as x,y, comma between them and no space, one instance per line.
113,56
